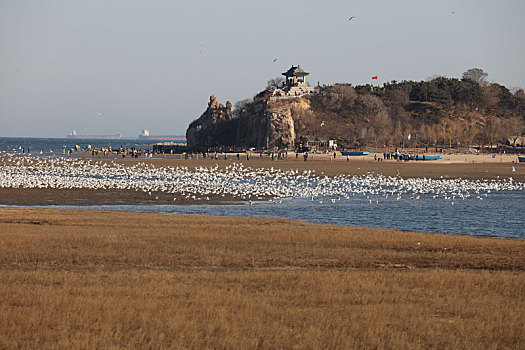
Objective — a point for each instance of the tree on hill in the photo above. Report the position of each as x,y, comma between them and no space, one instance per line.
276,82
240,107
442,111
475,74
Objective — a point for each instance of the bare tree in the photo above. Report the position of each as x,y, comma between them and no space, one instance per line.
377,117
434,77
493,131
475,74
277,82
240,107
513,129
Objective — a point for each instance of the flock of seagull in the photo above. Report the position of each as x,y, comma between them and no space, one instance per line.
234,181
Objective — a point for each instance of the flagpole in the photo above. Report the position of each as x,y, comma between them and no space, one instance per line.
372,82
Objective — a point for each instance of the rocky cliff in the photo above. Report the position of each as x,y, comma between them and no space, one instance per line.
260,123
270,123
215,127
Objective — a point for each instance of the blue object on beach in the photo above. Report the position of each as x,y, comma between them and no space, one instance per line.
521,159
426,157
354,153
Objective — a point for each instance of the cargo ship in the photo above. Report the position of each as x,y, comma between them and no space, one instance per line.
145,135
74,135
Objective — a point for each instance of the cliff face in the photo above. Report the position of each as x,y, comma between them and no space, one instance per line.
270,123
260,123
251,129
215,127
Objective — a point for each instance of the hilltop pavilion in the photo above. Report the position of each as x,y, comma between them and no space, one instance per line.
295,85
295,76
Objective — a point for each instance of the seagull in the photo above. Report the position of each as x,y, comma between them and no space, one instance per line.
235,180
513,169
351,18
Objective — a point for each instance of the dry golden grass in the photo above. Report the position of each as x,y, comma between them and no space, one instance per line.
86,279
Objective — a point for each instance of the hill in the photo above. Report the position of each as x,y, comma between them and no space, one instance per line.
443,111
446,112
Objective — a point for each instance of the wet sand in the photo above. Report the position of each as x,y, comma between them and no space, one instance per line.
359,166
88,197
465,166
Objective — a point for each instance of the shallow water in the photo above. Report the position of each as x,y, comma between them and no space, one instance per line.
484,211
501,214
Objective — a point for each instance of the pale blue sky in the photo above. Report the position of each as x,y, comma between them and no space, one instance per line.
153,64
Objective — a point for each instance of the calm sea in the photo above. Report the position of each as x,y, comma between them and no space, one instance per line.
58,145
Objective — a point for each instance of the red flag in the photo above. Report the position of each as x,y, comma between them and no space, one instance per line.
374,78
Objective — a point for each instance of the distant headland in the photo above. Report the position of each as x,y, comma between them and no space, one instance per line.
289,113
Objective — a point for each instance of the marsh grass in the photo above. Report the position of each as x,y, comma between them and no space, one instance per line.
88,279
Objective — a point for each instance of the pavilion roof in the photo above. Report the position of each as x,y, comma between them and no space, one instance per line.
295,71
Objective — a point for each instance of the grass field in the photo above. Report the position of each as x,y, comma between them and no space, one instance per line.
88,279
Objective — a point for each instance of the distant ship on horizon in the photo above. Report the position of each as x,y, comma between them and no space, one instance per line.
74,135
145,135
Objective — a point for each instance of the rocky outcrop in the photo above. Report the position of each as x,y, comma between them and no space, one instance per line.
252,125
215,127
261,123
270,123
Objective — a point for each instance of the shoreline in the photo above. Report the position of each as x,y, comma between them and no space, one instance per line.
321,165
92,208
150,195
454,166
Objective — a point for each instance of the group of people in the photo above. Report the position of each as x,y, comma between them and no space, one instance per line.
120,152
216,156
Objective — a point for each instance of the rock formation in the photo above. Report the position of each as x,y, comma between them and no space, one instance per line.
270,123
261,123
267,125
215,127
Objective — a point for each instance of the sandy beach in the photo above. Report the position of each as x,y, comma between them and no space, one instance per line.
452,166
